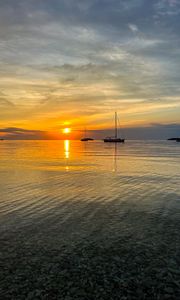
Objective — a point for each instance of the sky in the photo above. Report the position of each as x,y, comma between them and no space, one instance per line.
72,63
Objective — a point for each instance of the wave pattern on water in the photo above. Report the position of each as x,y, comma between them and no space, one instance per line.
117,206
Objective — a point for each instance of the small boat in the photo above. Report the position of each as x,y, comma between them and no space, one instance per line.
110,139
115,138
86,139
174,139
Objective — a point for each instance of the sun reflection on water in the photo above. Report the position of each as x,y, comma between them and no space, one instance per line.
67,148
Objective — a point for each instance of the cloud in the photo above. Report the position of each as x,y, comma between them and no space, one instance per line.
154,132
79,59
4,103
20,133
17,130
168,7
133,27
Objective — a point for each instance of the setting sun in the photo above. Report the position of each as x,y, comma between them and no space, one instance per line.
66,130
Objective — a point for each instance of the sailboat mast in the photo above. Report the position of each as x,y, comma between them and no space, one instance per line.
116,125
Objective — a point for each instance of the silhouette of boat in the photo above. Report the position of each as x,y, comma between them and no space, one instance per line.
115,138
86,139
174,139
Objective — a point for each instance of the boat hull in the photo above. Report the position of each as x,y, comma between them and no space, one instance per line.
86,139
174,139
114,140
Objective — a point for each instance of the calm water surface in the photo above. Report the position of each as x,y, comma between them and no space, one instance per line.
89,220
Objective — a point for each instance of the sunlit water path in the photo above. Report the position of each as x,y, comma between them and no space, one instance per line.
89,220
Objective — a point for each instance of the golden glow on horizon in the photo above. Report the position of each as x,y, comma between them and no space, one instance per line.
66,130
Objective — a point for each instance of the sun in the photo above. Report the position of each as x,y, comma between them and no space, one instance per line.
66,130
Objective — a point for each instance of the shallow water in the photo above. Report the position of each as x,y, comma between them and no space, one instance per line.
89,220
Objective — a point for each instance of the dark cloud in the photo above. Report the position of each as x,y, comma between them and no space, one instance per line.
18,130
156,131
20,133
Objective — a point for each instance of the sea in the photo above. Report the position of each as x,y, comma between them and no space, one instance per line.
89,220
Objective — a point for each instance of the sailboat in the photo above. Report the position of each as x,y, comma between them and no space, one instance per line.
86,139
115,138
